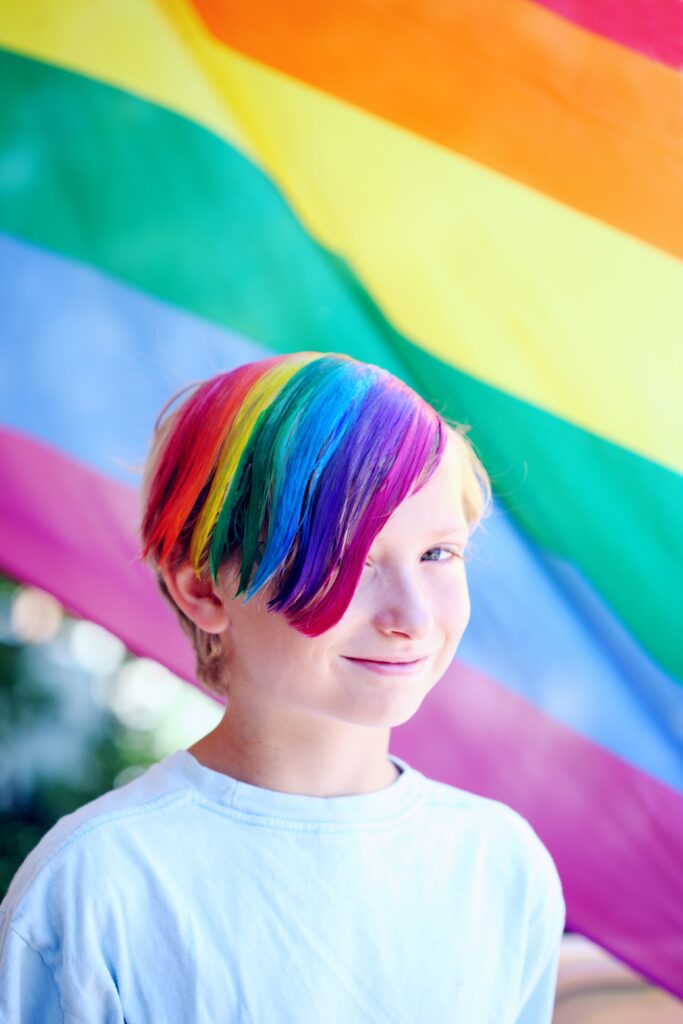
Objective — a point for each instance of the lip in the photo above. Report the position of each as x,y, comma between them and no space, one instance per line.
384,668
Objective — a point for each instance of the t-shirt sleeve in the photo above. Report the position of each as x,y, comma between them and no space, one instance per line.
27,989
546,926
53,935
540,999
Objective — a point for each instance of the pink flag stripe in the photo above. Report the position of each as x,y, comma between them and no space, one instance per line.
651,27
616,833
89,561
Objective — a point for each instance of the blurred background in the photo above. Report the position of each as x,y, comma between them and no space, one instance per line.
484,198
79,715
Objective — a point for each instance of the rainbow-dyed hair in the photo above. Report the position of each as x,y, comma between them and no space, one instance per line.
291,466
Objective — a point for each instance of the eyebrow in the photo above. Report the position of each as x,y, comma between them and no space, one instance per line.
459,528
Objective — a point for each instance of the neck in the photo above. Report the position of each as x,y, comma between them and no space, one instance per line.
333,759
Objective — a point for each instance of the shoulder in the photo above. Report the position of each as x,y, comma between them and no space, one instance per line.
90,840
512,848
489,817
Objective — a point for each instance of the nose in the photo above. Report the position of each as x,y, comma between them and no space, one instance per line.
404,607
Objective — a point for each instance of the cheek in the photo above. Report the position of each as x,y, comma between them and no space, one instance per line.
261,637
283,641
292,651
277,662
453,601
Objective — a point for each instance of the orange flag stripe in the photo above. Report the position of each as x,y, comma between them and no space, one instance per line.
538,99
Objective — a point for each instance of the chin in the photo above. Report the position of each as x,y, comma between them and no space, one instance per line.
388,714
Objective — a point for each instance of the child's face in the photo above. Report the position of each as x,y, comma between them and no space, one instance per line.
411,604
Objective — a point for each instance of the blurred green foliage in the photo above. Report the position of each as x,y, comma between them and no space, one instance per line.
32,801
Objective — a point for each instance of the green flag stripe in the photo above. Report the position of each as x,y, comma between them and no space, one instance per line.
218,240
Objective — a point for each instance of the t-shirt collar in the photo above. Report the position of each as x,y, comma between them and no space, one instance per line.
379,807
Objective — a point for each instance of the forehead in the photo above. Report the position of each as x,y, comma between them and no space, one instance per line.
438,506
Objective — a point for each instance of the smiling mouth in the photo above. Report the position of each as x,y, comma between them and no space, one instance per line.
390,667
379,661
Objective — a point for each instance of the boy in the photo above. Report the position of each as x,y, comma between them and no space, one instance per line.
307,516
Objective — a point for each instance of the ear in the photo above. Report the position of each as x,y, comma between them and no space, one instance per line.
199,599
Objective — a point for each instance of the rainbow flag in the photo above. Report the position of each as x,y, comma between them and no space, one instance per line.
486,199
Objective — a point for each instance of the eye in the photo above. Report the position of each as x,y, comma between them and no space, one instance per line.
450,554
446,551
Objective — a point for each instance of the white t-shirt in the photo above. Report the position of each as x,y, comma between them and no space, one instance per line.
187,896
